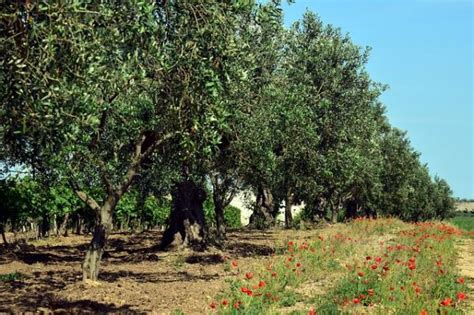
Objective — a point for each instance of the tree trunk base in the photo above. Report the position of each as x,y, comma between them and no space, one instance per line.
187,218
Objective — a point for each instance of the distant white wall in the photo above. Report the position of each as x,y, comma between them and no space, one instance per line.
245,201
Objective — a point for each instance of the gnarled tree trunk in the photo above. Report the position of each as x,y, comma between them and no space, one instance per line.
262,216
187,216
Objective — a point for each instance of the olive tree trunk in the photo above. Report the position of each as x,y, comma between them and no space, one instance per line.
91,265
288,214
2,231
187,217
224,188
262,216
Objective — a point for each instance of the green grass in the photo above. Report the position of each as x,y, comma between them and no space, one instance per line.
465,222
366,266
10,277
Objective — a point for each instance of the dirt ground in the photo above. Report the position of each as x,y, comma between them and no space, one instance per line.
134,277
466,267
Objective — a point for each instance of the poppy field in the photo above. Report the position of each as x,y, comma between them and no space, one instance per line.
368,266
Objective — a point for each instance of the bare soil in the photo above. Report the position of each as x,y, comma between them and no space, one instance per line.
466,268
134,278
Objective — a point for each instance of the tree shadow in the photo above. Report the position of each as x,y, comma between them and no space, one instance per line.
211,259
51,303
158,277
243,249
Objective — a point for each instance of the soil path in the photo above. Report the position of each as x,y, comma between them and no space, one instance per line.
466,268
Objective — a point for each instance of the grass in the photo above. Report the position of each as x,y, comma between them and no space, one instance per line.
379,266
10,277
465,222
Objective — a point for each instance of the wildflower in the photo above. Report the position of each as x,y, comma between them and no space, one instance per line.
423,312
225,302
411,266
446,302
291,244
378,259
356,301
417,290
274,274
244,289
461,296
298,265
234,263
249,275
374,266
371,292
360,274
312,311
368,258
213,305
460,280
237,304
439,263
261,284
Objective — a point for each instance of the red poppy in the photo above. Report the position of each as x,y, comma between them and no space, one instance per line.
446,302
261,284
244,289
225,302
298,265
460,281
249,292
461,296
274,274
439,263
378,259
423,312
234,263
411,266
374,266
237,304
312,311
249,275
360,274
356,301
213,305
368,258
291,244
371,292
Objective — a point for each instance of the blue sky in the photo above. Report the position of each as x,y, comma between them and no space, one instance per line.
423,49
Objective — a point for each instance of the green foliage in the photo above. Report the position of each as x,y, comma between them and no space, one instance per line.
232,217
96,97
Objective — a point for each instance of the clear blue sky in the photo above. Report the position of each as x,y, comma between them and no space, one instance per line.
423,49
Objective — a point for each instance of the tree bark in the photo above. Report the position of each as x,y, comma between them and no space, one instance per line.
220,220
91,265
79,224
2,231
288,214
262,217
187,217
63,227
